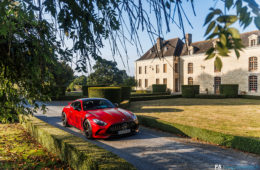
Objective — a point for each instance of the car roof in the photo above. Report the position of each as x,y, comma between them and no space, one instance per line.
88,99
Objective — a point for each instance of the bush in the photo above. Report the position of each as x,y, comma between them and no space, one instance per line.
125,93
230,90
85,89
148,94
210,96
153,97
111,93
190,91
54,91
159,88
143,91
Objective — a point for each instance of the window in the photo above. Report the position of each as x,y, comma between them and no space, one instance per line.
190,68
146,82
190,81
157,81
176,68
140,83
76,105
252,83
96,104
253,42
176,85
157,69
165,68
140,70
252,63
145,69
165,81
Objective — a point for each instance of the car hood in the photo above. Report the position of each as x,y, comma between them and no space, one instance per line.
112,115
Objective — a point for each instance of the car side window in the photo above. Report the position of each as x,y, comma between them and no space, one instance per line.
76,105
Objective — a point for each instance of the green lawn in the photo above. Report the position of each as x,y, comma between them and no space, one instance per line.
230,116
18,150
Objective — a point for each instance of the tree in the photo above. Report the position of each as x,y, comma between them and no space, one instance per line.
106,73
29,45
78,81
130,81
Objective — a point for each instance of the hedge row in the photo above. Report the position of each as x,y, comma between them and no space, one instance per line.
79,153
229,90
148,94
111,93
156,97
210,96
157,88
237,142
189,91
85,89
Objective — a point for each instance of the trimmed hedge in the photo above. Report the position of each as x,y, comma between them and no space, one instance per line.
237,142
111,93
156,97
142,91
125,92
249,97
210,96
229,90
85,88
148,94
79,153
190,91
159,88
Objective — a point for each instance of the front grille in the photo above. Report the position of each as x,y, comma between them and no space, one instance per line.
113,129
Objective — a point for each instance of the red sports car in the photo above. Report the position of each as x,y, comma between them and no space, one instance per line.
99,118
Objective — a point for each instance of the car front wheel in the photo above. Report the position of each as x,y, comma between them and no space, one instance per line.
64,119
87,129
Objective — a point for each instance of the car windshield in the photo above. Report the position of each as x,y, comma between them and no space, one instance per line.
97,104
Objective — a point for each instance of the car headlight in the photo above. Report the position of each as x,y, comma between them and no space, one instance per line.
99,122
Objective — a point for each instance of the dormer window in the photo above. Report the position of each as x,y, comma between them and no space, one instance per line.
190,50
253,40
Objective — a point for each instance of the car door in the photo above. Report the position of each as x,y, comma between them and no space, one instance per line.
76,114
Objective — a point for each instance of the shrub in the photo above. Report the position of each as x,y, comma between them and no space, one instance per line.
210,96
153,97
125,93
190,91
111,93
230,90
85,89
159,88
142,91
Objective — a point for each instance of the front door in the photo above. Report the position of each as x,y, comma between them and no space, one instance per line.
176,85
217,82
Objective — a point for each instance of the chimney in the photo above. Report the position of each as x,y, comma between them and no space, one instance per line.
159,43
188,39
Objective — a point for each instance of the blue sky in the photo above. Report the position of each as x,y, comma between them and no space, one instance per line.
201,8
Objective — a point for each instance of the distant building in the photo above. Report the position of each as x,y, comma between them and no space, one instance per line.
174,63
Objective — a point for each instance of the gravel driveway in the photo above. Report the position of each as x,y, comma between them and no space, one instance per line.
151,149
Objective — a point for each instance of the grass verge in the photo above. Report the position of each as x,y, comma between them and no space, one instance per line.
237,142
79,153
19,150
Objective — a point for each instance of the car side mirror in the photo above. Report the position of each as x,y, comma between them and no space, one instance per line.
116,104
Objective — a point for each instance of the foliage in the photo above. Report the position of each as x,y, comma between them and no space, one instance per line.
129,81
210,96
227,37
229,90
157,88
153,97
242,143
111,93
106,72
85,89
79,153
190,91
125,93
80,81
19,150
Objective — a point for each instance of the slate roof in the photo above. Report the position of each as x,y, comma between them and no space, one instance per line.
174,48
177,48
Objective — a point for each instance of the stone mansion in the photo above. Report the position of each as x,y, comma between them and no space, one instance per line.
174,63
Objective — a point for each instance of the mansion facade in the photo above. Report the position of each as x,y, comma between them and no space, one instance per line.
174,63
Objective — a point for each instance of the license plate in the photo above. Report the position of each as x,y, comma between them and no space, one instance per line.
124,131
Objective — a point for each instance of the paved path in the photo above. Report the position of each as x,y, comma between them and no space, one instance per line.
152,149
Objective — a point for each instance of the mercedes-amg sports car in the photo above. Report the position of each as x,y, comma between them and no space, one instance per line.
99,118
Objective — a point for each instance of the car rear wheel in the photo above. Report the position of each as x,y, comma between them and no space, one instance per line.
87,129
64,119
